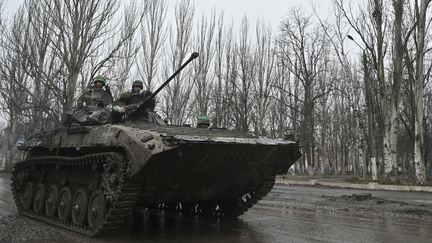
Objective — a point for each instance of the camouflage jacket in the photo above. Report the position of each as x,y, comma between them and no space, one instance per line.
129,98
95,97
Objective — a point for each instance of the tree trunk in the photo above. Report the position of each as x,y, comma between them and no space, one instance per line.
419,162
390,140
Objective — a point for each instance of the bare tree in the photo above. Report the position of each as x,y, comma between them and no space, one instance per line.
153,37
177,93
203,80
222,40
419,162
14,84
225,76
337,34
230,75
428,120
120,67
281,120
372,30
264,77
28,38
240,102
23,73
80,29
305,61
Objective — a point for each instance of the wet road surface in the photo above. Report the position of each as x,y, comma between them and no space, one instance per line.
7,203
287,214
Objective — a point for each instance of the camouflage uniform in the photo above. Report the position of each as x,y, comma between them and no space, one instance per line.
130,98
96,97
92,105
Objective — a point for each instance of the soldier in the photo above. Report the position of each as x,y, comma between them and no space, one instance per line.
96,96
203,122
135,96
92,105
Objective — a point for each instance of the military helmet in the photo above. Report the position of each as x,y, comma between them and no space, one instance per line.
101,79
138,83
203,120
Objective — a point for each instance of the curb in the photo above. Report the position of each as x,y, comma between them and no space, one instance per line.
369,186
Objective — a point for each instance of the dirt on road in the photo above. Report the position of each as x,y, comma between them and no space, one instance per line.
283,199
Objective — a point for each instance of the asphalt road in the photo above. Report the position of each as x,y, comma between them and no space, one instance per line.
287,214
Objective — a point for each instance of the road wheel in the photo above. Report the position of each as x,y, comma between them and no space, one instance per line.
188,208
65,204
207,207
52,201
96,210
232,208
79,207
171,208
39,198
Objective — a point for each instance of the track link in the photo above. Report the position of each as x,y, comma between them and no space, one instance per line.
225,208
117,211
231,208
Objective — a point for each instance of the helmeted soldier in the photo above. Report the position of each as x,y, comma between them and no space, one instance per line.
92,105
135,96
203,122
96,96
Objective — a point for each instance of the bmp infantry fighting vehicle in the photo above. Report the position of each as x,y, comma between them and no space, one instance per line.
89,179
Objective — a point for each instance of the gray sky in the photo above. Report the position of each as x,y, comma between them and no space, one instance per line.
270,11
10,6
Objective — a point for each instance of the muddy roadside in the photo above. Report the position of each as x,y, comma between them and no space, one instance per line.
281,201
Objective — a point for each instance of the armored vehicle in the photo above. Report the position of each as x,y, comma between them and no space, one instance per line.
89,179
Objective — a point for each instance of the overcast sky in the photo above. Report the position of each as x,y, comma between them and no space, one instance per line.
270,11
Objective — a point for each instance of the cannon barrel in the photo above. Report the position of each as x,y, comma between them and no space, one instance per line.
142,104
193,56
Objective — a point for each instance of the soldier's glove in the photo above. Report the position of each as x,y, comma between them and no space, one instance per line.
119,109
